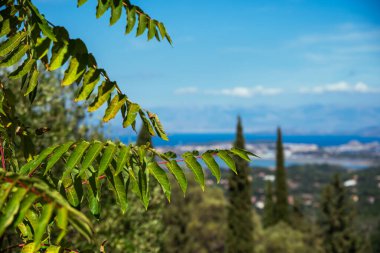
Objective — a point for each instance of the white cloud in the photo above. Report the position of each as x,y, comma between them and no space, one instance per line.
247,92
339,87
186,90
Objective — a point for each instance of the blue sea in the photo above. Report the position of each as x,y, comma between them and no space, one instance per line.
191,138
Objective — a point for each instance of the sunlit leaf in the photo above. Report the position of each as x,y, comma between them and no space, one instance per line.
195,167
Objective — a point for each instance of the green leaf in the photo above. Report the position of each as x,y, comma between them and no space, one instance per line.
143,21
11,209
24,207
157,126
106,158
168,39
5,189
123,157
93,196
11,43
53,248
178,174
71,193
162,29
90,79
151,29
57,155
116,8
5,27
25,231
62,218
31,97
104,92
33,81
32,165
132,111
81,2
102,7
60,54
32,218
119,188
42,47
83,228
92,153
47,212
14,56
146,123
28,248
156,34
161,177
243,153
75,156
47,30
143,186
114,107
131,19
23,69
61,221
76,69
212,164
195,167
42,23
121,192
223,154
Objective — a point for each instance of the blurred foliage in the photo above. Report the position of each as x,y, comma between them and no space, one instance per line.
337,220
138,230
196,223
281,238
53,116
375,239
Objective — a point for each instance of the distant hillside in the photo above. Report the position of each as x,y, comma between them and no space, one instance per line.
372,131
306,119
307,181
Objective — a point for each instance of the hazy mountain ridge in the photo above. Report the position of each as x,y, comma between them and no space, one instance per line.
308,119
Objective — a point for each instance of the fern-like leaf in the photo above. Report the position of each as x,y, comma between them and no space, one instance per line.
19,193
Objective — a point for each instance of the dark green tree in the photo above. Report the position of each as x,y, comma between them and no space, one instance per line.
281,207
268,218
337,220
239,217
144,137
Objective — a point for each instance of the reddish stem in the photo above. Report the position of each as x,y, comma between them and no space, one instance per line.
2,156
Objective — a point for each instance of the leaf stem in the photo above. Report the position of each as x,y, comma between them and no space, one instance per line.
2,156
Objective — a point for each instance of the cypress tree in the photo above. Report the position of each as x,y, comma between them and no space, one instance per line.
239,218
143,137
337,220
281,207
375,238
268,218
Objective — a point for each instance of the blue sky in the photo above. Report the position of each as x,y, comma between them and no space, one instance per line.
271,57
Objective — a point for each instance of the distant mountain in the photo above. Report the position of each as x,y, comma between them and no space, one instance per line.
309,119
372,131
